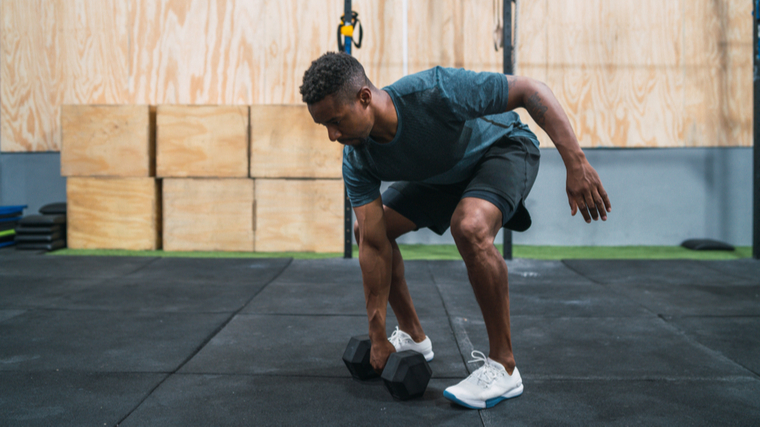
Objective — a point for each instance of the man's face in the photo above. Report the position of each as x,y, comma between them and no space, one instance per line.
347,121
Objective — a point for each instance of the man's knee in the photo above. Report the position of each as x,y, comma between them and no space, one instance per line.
356,231
471,233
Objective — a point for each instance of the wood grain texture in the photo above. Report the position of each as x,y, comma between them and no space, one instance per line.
618,86
595,54
208,214
54,52
718,74
202,141
299,215
95,47
293,40
381,53
197,51
107,140
31,75
286,143
113,213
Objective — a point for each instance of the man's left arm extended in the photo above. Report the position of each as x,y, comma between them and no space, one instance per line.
584,188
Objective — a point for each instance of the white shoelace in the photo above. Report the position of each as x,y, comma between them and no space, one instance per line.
487,373
396,338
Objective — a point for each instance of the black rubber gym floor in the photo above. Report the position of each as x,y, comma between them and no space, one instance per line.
104,341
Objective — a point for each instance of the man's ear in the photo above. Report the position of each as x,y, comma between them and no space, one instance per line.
365,96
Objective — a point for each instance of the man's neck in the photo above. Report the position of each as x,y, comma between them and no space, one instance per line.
386,119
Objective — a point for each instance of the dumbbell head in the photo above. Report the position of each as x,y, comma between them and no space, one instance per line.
356,357
406,374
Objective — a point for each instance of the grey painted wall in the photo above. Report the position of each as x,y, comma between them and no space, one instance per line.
32,179
659,196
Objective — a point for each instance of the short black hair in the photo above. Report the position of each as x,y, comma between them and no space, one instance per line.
331,73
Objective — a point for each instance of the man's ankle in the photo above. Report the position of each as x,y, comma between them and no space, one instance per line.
417,334
507,362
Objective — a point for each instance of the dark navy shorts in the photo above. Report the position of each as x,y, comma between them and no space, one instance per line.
504,177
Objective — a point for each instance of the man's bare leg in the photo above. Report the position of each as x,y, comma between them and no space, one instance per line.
474,226
399,297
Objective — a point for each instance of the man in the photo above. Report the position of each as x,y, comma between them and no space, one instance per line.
461,158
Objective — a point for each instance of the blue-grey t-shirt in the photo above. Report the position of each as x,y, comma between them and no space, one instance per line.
447,119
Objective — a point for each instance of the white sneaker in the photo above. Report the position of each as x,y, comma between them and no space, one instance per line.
402,341
487,386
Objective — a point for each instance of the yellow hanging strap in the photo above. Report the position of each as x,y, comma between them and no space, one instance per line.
347,30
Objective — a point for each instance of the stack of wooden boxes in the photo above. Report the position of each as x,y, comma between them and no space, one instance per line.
108,157
299,190
202,156
201,178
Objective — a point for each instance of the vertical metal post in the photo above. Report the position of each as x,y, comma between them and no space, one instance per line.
756,134
348,248
508,69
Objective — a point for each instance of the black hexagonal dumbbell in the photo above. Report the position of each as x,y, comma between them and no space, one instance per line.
406,374
356,358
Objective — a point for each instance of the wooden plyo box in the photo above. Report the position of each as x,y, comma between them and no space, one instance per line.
113,213
208,214
286,143
304,215
108,140
202,141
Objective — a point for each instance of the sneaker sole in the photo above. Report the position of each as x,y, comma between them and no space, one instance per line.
490,403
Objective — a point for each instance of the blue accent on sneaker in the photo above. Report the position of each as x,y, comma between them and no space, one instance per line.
490,403
454,399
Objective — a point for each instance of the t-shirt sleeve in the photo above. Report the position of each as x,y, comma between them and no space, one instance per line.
361,188
471,94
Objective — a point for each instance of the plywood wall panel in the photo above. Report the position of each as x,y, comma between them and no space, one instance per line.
620,107
286,143
202,141
208,214
531,39
478,25
381,53
631,33
197,52
113,213
95,47
298,32
238,52
107,140
31,75
717,73
435,27
53,53
309,219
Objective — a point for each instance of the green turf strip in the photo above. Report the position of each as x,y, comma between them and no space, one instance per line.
7,233
449,252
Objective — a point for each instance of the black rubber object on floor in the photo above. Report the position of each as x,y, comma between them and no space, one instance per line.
25,229
8,223
38,238
54,209
42,220
58,244
706,245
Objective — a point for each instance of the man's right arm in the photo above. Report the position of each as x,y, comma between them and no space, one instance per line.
375,255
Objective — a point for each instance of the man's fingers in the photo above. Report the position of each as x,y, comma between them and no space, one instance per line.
606,199
600,206
584,211
591,206
573,206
